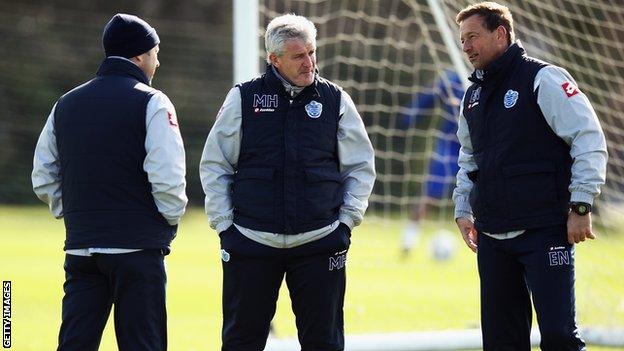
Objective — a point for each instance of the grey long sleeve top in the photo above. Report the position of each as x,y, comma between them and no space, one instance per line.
164,163
220,159
572,118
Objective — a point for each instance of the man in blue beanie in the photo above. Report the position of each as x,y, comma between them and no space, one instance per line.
110,162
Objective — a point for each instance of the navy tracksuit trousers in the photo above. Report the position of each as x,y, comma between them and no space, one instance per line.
315,275
538,264
132,282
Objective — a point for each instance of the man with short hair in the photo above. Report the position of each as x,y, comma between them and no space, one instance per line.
532,159
287,170
110,162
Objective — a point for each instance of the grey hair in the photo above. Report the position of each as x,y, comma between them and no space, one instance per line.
287,27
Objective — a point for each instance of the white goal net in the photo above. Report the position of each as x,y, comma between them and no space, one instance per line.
391,57
386,53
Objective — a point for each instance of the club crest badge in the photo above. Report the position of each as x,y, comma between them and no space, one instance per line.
511,96
474,98
225,256
314,109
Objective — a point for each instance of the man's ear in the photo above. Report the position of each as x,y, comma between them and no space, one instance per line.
275,60
136,59
501,32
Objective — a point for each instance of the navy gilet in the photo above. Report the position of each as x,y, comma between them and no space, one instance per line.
288,176
524,168
100,133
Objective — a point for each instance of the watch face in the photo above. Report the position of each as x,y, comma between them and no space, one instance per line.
580,208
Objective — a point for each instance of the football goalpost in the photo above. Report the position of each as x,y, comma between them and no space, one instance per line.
384,53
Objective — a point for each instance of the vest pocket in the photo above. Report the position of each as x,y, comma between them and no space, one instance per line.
530,190
323,195
253,193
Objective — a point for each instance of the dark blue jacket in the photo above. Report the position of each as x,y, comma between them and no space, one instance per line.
524,168
288,175
100,134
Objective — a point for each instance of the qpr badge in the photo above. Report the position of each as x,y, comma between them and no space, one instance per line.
314,109
511,96
474,98
225,256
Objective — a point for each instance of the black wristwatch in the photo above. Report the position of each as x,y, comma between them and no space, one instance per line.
580,208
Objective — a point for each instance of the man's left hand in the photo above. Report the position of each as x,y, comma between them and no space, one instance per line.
579,228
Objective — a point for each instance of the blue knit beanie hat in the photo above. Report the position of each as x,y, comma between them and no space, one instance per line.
128,36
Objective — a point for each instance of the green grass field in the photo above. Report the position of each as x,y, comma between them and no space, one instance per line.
384,293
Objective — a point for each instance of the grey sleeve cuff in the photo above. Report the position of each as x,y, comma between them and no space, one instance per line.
221,224
463,209
346,219
579,196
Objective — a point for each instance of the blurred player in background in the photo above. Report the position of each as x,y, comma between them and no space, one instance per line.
110,162
447,92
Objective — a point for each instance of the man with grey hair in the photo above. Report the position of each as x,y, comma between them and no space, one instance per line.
287,170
